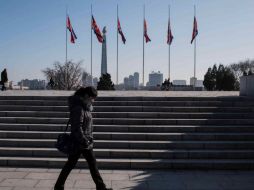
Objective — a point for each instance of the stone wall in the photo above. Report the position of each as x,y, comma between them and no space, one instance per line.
247,85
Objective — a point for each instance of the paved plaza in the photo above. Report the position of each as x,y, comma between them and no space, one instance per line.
123,93
80,179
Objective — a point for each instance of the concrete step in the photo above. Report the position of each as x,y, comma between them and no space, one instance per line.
131,144
172,115
131,121
134,132
133,103
133,153
172,128
133,128
34,108
133,98
130,109
243,164
141,115
136,136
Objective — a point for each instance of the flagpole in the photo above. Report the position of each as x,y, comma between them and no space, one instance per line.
169,45
117,47
91,46
143,44
194,85
66,35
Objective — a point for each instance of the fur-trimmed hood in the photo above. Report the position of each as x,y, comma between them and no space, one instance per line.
77,100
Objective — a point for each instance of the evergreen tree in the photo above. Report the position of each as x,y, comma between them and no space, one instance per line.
220,77
213,76
208,81
105,82
229,80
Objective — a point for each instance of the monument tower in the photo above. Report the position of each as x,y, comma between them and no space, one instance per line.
104,53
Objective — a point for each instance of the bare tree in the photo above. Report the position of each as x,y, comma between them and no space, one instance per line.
66,76
241,67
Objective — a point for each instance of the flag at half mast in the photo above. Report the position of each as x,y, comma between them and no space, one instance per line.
170,35
120,31
195,29
96,30
69,27
145,32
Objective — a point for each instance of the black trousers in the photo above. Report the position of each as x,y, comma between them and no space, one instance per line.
71,163
3,87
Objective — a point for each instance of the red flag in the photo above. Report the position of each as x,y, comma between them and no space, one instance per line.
96,30
69,27
195,29
170,36
72,38
68,24
120,31
145,32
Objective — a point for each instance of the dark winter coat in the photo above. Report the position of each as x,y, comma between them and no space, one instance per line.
81,121
4,77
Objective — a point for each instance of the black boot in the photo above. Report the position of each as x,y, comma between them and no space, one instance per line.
58,187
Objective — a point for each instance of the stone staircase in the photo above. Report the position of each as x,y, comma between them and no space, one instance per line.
133,132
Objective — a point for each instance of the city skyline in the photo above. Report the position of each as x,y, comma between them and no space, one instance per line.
33,40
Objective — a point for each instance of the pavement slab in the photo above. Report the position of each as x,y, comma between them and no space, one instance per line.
80,179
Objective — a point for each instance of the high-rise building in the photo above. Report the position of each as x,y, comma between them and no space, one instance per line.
199,83
34,84
179,82
104,53
193,81
131,81
88,81
126,82
155,78
136,80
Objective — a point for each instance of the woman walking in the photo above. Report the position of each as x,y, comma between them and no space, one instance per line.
80,106
4,79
